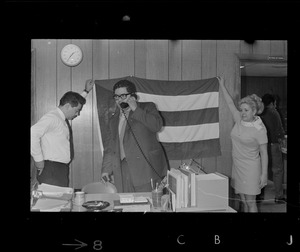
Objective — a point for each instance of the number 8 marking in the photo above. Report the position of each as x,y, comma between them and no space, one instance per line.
97,245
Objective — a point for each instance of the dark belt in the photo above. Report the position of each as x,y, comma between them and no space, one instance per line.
56,162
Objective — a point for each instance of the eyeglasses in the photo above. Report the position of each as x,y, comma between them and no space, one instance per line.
122,96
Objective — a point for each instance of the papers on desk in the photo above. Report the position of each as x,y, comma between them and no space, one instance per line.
132,207
131,203
52,205
126,198
58,192
53,198
130,198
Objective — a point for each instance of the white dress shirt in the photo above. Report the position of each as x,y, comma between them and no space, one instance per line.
122,126
50,137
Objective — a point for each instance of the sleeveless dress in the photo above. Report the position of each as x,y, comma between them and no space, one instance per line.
246,139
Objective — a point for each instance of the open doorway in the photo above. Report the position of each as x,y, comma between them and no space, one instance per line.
261,75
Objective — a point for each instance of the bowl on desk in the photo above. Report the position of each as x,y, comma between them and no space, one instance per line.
95,205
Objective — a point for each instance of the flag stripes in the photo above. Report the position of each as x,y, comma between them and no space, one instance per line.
182,102
193,117
190,112
189,133
174,88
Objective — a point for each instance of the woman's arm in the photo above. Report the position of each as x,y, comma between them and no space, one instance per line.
264,163
227,97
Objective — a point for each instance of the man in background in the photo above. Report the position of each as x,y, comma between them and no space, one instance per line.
52,140
275,133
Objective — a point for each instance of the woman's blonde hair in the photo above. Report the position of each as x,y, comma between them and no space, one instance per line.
254,102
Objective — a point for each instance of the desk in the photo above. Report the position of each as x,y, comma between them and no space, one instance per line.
110,197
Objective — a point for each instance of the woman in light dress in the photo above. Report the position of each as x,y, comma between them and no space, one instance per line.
249,148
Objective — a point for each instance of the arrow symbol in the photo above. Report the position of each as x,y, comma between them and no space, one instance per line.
80,245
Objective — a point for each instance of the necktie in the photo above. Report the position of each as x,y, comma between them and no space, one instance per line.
122,126
70,140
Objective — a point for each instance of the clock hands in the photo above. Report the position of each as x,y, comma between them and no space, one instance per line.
70,56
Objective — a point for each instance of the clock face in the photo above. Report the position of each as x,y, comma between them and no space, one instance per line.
71,55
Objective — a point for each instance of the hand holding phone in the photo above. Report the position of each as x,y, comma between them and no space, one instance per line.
132,102
124,105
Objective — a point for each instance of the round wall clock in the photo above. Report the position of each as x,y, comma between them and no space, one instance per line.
71,55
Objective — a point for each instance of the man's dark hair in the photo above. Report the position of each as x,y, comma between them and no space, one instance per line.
72,98
127,84
267,99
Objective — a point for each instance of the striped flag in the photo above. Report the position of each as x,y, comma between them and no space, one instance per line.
190,112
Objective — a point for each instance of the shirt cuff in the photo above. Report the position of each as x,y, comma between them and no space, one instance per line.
38,158
84,94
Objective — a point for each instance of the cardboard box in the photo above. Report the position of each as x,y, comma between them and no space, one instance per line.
212,191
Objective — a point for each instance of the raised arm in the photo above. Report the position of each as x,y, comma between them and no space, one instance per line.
227,97
87,88
89,85
149,117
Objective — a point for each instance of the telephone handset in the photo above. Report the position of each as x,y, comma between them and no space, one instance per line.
124,105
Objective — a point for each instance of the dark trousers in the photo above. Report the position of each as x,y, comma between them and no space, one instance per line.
55,173
127,182
277,169
276,163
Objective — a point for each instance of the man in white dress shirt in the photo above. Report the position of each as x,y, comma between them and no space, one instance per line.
51,138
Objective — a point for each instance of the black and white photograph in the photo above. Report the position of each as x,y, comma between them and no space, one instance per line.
213,108
148,123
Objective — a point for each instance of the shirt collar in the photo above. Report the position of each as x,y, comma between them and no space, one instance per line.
257,123
62,115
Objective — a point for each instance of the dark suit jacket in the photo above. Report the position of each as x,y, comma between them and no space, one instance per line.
145,122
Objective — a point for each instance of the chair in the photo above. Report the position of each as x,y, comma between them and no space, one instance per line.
99,187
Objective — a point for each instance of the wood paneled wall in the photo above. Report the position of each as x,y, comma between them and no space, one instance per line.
152,59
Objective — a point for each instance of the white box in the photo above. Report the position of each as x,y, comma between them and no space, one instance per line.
212,191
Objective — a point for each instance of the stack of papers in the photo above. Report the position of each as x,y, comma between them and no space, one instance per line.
53,198
52,205
133,207
131,203
126,198
130,198
51,191
141,199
